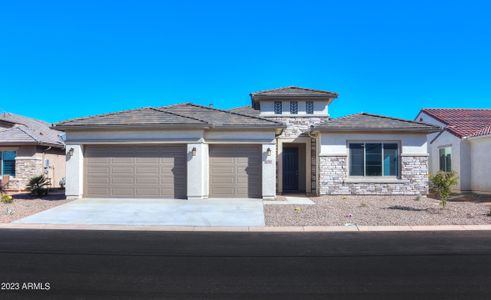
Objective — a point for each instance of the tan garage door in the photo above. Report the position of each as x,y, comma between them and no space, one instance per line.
235,171
127,171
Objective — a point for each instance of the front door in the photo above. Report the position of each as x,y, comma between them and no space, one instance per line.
290,169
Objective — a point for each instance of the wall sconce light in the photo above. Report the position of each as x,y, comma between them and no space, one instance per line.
193,152
70,152
268,152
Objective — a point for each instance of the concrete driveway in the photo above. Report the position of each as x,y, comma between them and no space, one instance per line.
204,212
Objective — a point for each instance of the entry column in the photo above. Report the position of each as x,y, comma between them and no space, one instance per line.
197,172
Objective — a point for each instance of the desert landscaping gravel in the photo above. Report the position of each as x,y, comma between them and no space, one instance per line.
376,210
25,205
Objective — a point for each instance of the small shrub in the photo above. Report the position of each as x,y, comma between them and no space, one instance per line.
441,183
363,204
6,198
38,186
418,198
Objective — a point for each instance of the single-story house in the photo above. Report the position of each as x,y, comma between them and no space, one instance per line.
284,142
464,146
29,147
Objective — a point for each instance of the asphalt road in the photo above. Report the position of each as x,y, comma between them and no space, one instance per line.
167,265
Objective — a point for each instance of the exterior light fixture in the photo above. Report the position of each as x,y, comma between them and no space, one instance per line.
193,152
70,152
268,152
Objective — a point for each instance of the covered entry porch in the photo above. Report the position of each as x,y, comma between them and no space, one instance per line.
296,166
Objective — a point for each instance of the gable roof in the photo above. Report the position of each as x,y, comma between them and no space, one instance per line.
26,130
372,122
186,115
462,122
294,91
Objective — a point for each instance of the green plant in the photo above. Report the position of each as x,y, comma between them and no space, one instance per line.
441,183
6,198
418,198
363,204
38,186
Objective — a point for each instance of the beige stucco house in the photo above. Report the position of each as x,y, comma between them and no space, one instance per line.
29,147
284,142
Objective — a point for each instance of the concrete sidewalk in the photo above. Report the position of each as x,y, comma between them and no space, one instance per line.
353,228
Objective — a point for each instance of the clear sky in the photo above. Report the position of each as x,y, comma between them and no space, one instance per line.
65,59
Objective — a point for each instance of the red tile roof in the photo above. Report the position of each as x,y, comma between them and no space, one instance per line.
463,122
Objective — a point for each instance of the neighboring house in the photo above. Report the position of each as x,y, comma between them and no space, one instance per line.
28,148
284,142
464,146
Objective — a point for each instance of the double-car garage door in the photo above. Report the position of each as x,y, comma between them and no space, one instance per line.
137,171
127,171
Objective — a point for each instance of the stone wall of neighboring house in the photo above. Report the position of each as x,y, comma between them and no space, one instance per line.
25,168
29,162
313,158
333,178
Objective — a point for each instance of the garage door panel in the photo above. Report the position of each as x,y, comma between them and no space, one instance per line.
235,171
135,171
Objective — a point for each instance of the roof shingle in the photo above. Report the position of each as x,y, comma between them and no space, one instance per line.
372,122
28,131
462,122
294,91
178,115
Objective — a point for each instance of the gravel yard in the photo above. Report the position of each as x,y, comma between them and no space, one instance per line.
24,205
376,210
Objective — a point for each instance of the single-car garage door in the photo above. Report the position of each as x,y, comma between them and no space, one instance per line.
235,171
131,171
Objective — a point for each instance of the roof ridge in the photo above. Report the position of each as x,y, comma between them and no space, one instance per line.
25,131
179,115
235,113
103,115
295,87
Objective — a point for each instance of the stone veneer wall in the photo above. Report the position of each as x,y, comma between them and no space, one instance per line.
313,158
25,168
297,126
334,171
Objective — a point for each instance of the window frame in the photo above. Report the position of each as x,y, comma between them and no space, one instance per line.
280,106
307,111
364,142
293,103
2,162
446,169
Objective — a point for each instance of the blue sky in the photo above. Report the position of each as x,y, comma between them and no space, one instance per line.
68,59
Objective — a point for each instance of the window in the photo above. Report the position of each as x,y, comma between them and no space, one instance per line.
309,106
7,163
278,108
374,159
294,107
446,159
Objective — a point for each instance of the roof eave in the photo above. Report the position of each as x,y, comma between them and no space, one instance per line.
361,129
130,126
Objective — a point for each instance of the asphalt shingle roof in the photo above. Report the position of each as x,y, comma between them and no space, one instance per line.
372,122
26,130
462,122
294,91
186,115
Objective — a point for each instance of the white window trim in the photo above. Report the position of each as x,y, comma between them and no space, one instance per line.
399,171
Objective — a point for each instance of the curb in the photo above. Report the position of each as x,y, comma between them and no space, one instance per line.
354,228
